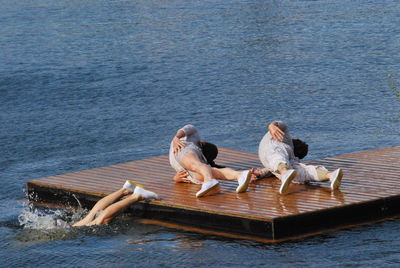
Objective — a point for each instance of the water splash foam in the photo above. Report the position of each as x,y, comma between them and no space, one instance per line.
39,218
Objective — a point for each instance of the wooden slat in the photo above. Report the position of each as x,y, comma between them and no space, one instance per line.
369,177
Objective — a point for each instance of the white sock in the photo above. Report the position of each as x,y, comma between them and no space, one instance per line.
147,195
129,186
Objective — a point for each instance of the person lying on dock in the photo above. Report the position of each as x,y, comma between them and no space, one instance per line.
210,152
189,160
107,208
280,154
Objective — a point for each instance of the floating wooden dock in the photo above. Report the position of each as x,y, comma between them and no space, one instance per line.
370,191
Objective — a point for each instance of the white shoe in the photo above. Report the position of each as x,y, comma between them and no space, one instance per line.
207,187
147,195
243,181
129,185
336,179
286,180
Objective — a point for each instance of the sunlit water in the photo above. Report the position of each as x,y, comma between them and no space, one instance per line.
85,84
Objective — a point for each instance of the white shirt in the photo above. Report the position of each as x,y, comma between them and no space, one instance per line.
271,152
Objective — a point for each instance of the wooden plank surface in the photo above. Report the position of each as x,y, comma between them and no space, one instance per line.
369,176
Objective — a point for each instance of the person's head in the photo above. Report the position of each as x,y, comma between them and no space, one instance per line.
210,152
300,148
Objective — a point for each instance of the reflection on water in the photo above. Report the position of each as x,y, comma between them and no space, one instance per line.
301,199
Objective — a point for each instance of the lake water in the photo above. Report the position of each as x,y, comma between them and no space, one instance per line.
85,84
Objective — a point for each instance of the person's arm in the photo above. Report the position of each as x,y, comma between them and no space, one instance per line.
181,176
186,131
177,144
277,130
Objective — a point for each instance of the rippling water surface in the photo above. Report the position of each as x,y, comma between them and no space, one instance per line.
85,84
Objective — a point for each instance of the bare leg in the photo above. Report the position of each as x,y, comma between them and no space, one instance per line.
101,205
191,162
113,210
221,174
226,174
323,174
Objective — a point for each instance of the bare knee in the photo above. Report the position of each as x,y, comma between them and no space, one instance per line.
192,166
191,162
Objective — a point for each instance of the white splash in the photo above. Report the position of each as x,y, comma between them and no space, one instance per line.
47,219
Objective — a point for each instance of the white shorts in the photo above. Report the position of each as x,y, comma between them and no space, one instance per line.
190,147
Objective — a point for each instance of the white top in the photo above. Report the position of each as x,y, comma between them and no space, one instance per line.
271,151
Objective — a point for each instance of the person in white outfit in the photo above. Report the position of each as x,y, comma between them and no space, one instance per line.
188,159
280,155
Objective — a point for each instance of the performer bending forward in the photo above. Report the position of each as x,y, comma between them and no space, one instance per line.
187,158
280,154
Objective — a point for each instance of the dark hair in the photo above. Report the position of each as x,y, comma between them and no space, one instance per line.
300,148
210,152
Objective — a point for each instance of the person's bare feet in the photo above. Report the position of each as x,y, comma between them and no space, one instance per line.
145,194
255,174
243,181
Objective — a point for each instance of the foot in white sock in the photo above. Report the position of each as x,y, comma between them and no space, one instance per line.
207,187
243,181
147,195
129,185
336,179
286,180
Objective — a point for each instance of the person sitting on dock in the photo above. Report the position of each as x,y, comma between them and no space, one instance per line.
280,154
191,164
107,208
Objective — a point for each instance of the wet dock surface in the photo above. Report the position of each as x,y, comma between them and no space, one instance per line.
370,191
